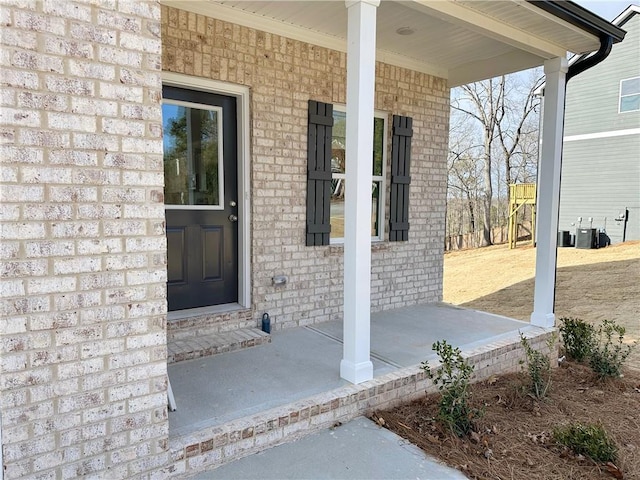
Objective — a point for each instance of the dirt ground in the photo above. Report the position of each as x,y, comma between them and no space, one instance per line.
513,438
591,284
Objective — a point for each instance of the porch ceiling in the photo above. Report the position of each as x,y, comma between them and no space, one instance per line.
463,41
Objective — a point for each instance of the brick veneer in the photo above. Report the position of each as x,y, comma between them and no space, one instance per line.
283,74
82,297
83,250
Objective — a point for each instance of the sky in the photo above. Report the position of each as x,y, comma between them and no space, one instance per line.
607,9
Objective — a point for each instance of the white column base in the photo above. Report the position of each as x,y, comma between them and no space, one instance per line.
356,372
546,320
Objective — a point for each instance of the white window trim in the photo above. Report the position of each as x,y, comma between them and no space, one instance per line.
620,95
241,93
378,178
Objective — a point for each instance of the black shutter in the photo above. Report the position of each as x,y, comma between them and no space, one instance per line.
319,173
400,178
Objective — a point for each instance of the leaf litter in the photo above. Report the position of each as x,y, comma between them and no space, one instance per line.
514,438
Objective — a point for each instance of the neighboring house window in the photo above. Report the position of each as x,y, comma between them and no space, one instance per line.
630,95
339,164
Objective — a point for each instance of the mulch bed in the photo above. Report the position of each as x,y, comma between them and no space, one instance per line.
513,439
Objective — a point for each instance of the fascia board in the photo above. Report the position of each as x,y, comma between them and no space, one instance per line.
486,26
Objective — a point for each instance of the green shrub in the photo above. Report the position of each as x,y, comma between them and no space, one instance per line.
608,355
452,379
578,338
539,367
590,440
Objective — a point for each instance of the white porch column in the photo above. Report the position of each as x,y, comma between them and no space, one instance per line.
356,365
549,192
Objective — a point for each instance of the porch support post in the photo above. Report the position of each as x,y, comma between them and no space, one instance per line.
356,366
548,189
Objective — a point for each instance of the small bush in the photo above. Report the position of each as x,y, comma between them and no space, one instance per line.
589,440
539,367
578,338
608,355
452,379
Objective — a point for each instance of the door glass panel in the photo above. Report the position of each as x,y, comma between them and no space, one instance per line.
192,155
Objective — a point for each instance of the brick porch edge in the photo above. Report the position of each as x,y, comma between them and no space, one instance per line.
214,446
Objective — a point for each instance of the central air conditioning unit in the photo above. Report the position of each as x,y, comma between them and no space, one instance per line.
564,238
586,238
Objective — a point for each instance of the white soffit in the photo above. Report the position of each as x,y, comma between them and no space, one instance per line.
322,23
529,18
461,41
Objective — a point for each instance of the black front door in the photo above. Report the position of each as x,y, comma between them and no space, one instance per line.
201,197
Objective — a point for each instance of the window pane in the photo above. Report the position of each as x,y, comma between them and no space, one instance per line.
338,142
337,208
630,103
378,142
631,86
375,205
338,168
191,155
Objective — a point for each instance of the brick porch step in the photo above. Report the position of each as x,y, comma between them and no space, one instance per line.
207,345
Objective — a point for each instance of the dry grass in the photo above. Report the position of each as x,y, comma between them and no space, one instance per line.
513,440
591,284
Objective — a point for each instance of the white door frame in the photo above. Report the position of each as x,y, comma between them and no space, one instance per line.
241,93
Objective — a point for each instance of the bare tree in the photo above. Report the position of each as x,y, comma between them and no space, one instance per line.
501,115
520,129
463,179
483,101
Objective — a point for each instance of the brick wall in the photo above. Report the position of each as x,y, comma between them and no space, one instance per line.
82,298
283,74
82,251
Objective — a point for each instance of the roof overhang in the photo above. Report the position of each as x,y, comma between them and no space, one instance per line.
463,41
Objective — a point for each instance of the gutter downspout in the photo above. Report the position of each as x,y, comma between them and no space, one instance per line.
606,44
603,52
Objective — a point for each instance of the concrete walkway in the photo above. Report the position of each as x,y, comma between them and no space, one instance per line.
359,449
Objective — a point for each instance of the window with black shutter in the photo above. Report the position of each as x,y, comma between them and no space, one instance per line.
400,178
319,173
339,162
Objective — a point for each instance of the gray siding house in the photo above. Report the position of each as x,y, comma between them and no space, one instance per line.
601,160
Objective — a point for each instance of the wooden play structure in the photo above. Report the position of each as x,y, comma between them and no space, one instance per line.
521,194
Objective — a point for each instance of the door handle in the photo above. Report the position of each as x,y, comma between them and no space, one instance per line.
233,218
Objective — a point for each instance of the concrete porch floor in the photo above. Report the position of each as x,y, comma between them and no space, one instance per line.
243,402
303,362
